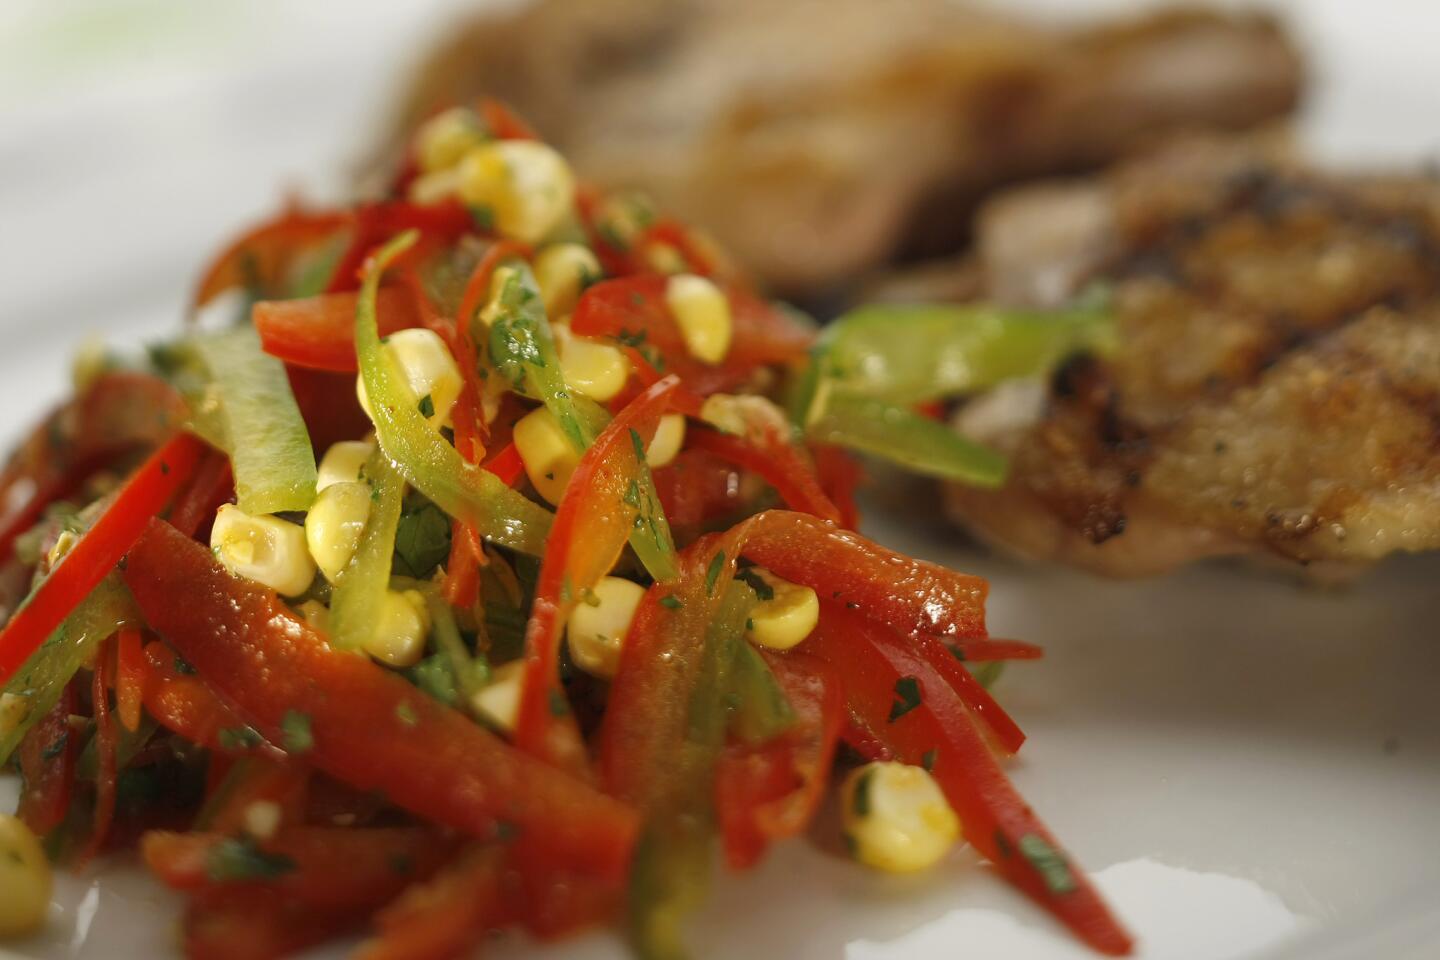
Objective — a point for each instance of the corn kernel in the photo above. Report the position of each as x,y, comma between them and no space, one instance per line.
786,614
526,185
740,413
547,453
342,463
263,548
424,360
563,270
596,369
14,708
669,438
316,614
597,626
444,139
498,281
896,817
399,635
262,819
703,315
25,880
498,701
433,187
334,525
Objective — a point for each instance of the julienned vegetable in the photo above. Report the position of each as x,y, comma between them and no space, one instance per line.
260,424
399,692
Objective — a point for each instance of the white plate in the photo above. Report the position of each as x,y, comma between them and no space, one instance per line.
1247,765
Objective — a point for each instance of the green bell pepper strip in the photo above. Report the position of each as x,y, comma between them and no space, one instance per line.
263,431
355,601
522,347
909,354
907,438
42,679
672,863
759,709
471,671
433,466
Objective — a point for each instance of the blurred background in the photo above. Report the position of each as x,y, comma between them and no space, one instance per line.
138,135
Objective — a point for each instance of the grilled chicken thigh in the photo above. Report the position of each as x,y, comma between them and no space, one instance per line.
1277,385
821,138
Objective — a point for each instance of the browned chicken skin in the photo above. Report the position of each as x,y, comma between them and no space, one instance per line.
821,138
1277,386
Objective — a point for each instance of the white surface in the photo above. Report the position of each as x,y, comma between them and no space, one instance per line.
1212,745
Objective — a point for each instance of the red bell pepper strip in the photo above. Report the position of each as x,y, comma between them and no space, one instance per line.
328,866
106,743
370,728
503,123
445,916
629,307
328,406
874,662
912,595
257,924
839,474
47,762
776,460
263,252
98,551
319,332
769,791
212,485
119,412
697,490
129,677
183,704
596,518
378,222
284,783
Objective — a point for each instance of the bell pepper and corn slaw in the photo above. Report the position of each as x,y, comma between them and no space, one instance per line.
495,566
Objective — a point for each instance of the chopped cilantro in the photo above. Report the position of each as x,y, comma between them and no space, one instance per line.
559,707
631,338
295,733
55,747
757,583
483,216
862,793
907,697
422,538
427,406
928,760
639,444
437,677
671,602
1048,862
238,860
712,572
182,665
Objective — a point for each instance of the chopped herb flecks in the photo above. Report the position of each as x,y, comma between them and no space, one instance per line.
240,860
295,733
712,573
907,697
1048,862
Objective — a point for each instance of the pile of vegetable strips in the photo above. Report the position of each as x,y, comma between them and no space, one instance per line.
303,765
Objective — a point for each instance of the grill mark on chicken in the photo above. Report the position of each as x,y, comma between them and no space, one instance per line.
1278,385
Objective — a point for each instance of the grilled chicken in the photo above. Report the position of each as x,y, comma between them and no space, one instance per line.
1277,386
821,138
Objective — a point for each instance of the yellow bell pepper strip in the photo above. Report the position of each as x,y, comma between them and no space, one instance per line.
355,602
463,490
264,433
